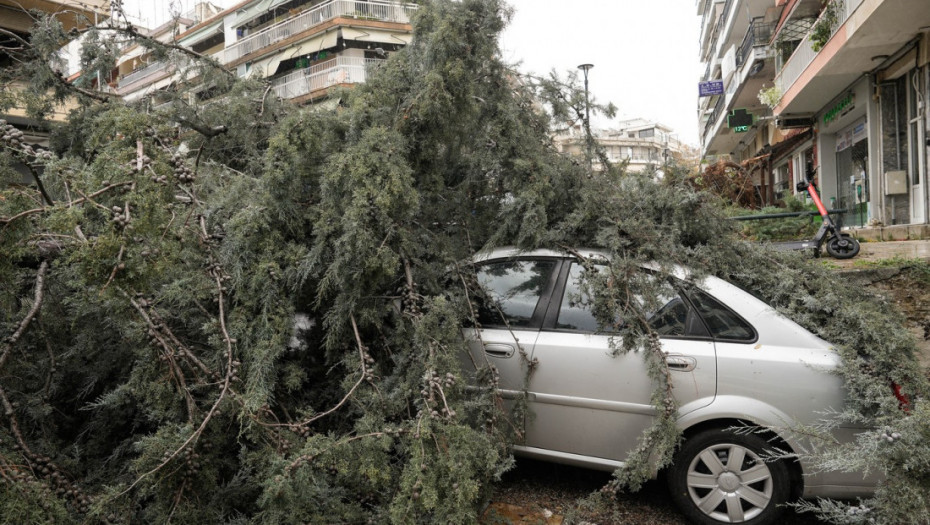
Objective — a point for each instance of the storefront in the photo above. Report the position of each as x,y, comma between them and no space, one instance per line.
844,146
852,180
903,91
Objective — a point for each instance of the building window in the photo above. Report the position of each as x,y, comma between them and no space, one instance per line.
647,133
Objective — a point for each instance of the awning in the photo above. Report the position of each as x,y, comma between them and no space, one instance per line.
267,66
374,35
313,45
270,65
134,95
202,34
255,10
135,51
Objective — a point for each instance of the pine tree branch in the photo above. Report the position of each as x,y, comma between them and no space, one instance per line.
308,458
24,324
206,131
84,198
342,402
10,413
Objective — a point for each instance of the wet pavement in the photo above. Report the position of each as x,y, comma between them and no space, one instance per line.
875,251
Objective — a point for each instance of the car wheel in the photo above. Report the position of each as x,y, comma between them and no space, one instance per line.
843,246
720,477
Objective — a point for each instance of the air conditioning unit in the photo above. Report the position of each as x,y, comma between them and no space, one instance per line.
793,122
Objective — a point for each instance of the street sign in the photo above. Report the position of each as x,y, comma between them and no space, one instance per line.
709,88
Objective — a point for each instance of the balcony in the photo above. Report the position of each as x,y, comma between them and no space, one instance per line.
804,55
363,10
864,34
714,116
139,75
759,34
314,79
747,68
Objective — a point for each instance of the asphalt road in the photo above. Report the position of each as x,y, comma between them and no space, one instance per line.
538,492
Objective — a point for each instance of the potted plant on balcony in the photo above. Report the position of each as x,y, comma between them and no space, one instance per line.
770,96
825,25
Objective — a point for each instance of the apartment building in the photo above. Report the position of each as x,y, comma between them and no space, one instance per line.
846,96
304,48
642,143
16,17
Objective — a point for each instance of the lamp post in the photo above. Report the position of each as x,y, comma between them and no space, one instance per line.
587,110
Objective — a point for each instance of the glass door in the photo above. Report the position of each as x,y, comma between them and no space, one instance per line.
915,133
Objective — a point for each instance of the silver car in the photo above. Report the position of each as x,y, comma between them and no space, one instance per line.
735,361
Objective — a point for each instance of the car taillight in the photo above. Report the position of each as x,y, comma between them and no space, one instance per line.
904,402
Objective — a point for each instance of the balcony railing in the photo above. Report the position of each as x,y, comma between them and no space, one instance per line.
805,54
721,22
366,10
758,34
141,74
340,70
714,114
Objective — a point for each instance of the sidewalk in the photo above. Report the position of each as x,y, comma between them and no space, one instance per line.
874,251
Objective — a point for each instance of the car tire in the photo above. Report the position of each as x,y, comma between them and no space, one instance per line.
709,490
843,246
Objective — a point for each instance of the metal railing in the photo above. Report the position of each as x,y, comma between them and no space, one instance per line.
141,74
720,23
758,34
340,70
805,54
363,9
715,114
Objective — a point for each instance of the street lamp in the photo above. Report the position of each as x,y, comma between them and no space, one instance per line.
587,108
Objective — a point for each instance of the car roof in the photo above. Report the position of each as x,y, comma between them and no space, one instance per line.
511,251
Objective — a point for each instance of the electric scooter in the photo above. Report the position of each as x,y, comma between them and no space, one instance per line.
839,245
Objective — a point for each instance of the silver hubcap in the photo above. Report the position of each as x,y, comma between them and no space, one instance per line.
729,483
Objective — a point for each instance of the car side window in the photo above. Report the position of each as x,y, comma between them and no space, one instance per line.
514,289
575,310
722,322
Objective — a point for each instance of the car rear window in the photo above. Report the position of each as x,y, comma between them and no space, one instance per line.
723,323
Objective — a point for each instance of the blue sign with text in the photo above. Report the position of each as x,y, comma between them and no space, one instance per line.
711,87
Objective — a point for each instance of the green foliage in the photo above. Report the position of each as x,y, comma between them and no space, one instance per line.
825,25
253,312
782,228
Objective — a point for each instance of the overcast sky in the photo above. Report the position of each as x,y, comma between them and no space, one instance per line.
645,52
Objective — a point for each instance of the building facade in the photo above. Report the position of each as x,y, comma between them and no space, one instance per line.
15,17
641,143
841,90
303,47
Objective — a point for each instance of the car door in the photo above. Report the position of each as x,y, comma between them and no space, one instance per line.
585,401
509,317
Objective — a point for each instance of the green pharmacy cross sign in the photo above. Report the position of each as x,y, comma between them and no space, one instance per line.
740,120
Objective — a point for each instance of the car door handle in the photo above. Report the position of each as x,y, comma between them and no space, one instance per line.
680,363
498,349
